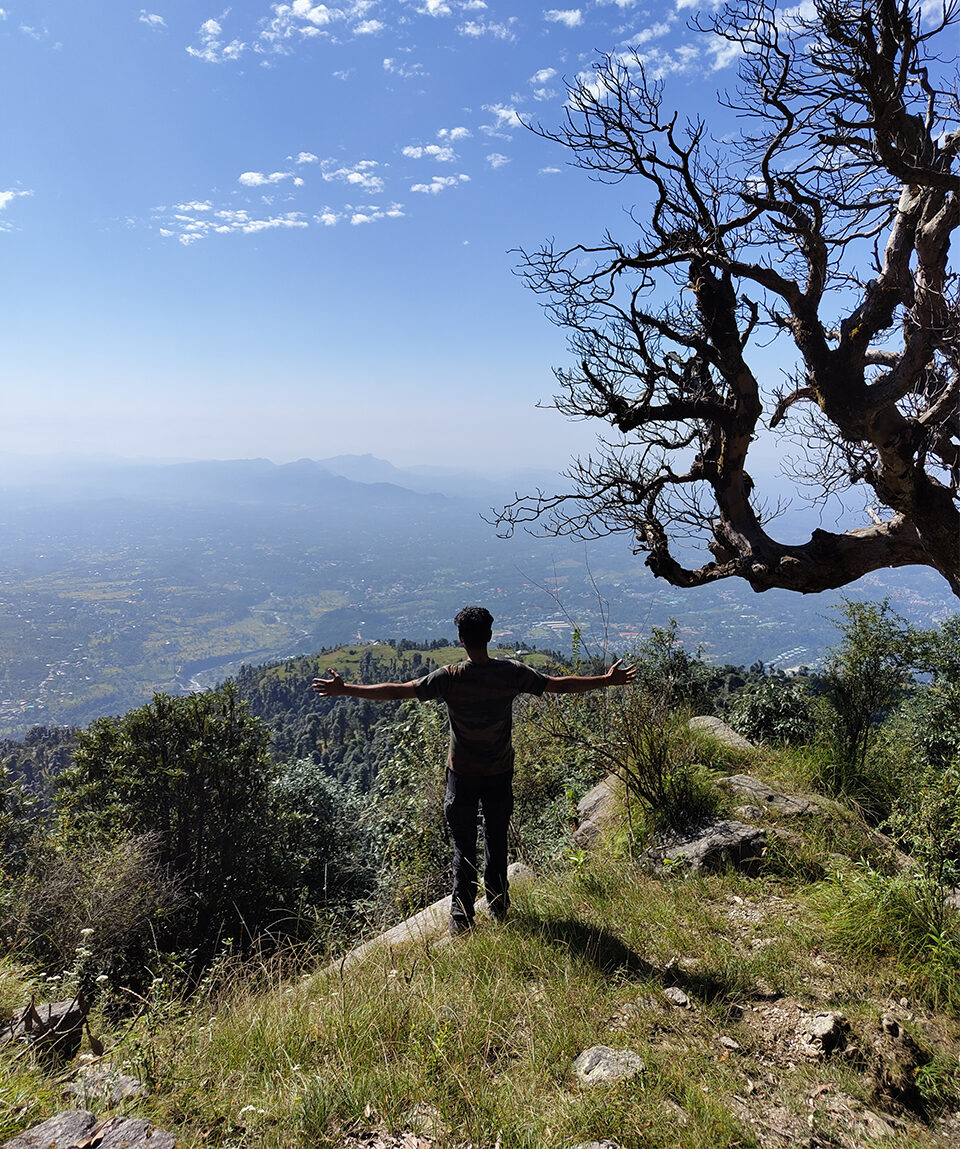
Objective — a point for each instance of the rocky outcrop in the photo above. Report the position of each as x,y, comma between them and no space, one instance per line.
595,811
715,844
718,729
53,1028
758,794
429,925
75,1127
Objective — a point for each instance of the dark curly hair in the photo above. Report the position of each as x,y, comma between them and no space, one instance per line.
475,625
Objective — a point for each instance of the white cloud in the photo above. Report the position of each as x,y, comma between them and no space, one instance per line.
372,214
505,118
404,71
212,49
440,183
258,179
187,226
477,28
571,17
443,155
7,196
435,8
454,134
305,158
544,76
369,27
194,205
654,32
549,171
723,52
497,160
152,19
362,174
328,217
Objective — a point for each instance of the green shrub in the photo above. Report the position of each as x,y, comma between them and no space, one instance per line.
196,773
865,675
776,710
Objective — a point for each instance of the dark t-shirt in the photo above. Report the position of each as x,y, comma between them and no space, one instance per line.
479,698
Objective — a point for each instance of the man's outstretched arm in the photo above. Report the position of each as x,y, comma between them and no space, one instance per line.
617,675
335,687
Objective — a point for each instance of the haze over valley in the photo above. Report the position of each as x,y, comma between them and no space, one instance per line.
120,579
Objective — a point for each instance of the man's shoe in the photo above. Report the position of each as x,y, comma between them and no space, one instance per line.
460,926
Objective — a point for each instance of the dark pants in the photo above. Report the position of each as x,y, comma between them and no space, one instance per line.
465,797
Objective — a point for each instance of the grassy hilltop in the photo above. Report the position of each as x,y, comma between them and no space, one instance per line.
719,982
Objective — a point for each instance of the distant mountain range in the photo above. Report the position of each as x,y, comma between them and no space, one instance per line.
257,480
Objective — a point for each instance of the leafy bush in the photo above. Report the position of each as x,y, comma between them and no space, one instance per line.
776,710
194,772
406,813
865,675
327,846
636,735
667,671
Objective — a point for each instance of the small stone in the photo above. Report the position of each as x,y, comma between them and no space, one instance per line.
728,1042
104,1085
823,1033
677,997
602,1065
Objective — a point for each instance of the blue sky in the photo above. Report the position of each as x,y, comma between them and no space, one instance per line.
285,229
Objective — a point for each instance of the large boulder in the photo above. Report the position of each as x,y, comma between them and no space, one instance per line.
718,729
716,844
760,795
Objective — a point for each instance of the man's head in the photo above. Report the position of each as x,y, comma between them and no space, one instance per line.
475,626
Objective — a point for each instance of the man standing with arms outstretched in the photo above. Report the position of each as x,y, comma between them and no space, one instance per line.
479,694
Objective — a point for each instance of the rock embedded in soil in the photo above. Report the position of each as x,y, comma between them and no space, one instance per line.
75,1126
602,1065
719,730
715,844
764,797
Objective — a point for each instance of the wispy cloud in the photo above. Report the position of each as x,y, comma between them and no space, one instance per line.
362,174
373,214
305,158
434,8
454,134
396,67
7,197
441,153
497,160
188,223
440,183
259,180
571,17
152,19
505,120
478,28
213,49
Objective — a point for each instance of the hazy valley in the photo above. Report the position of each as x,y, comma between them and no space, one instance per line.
121,580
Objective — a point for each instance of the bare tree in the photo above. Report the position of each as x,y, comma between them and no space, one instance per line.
819,235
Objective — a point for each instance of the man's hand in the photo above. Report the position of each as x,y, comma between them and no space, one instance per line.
332,687
621,675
